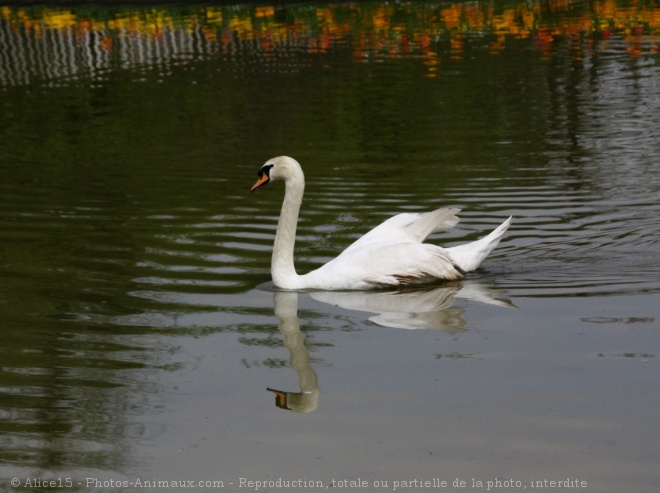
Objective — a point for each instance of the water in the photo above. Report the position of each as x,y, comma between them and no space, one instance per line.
141,331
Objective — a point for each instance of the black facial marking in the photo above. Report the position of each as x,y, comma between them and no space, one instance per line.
265,169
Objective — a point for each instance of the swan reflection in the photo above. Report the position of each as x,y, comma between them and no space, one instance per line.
307,400
430,308
419,309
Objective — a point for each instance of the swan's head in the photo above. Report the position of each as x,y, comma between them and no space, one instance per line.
278,168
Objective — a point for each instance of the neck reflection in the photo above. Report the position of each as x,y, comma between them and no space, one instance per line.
307,399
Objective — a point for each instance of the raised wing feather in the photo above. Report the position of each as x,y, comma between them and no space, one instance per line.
408,227
432,222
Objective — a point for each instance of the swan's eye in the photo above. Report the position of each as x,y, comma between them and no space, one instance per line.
265,169
264,176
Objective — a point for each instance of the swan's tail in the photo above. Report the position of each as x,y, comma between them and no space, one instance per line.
470,256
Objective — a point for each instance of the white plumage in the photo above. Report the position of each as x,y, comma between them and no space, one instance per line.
392,254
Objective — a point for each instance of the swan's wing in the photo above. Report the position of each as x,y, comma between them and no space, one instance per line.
392,254
385,264
432,222
408,227
405,264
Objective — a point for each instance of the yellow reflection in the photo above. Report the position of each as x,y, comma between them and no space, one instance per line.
373,30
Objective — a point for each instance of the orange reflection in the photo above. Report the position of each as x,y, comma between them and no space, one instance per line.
371,29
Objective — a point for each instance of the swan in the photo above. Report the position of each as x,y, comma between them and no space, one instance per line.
390,255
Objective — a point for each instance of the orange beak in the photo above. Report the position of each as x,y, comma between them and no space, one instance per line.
263,179
280,399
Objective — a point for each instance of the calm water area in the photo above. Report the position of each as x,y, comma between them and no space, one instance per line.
142,341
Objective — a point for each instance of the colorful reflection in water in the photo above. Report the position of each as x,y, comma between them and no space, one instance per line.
139,335
72,42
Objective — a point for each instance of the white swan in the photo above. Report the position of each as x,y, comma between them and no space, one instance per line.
392,254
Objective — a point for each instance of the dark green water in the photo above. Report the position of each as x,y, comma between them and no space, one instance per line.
140,330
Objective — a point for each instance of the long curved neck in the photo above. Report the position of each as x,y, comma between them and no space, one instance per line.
282,268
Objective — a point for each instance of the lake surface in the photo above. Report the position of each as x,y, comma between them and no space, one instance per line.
141,332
